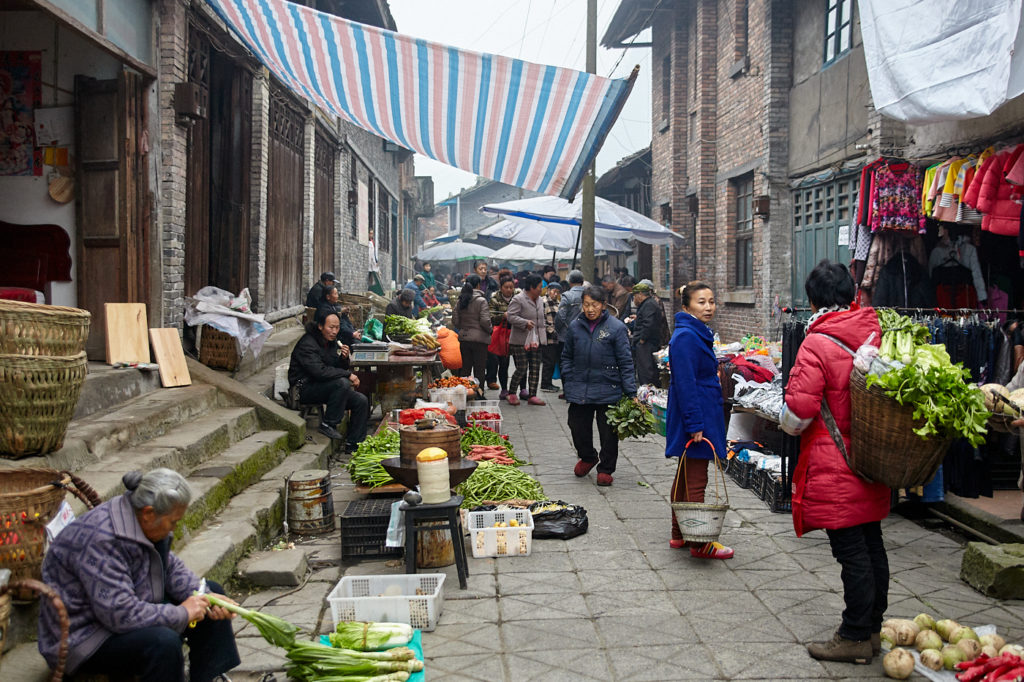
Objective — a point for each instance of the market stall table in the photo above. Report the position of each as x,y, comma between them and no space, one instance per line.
392,382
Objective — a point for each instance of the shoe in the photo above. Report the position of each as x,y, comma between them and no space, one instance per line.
676,544
549,389
876,643
513,399
493,386
524,394
330,431
503,394
583,468
604,479
712,550
561,396
842,650
534,400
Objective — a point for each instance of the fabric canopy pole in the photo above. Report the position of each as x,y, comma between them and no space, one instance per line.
533,126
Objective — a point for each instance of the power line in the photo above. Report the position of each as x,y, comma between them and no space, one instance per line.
647,22
526,24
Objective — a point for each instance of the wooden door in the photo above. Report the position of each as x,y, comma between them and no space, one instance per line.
197,187
112,207
323,215
284,204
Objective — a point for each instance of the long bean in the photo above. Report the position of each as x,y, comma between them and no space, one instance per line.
497,482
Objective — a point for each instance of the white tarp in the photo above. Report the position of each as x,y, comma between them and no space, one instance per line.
938,60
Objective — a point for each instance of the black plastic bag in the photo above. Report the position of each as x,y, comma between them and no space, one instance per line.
564,523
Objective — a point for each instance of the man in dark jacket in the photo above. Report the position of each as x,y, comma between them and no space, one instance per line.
331,306
618,295
319,371
649,333
402,304
316,294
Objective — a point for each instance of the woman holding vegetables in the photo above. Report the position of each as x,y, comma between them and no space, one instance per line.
473,320
826,493
597,370
695,422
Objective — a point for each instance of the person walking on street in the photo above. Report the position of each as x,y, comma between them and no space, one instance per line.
826,493
497,365
597,371
649,332
472,319
428,277
526,315
551,351
694,413
618,295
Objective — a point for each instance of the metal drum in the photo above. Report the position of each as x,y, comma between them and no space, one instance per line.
310,503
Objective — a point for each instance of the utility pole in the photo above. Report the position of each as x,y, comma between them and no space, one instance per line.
587,222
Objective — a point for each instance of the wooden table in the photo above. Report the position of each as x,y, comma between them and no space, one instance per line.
392,383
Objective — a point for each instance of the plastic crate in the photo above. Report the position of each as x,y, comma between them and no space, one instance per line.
494,424
660,414
419,602
364,529
759,483
488,541
741,472
489,405
777,495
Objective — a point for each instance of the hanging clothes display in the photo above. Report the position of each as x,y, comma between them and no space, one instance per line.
954,268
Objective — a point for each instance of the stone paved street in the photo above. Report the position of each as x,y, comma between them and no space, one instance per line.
618,604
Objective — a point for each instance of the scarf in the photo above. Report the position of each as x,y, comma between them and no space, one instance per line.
824,311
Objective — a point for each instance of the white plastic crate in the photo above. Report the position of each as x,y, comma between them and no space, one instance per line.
488,541
475,406
489,405
456,396
361,597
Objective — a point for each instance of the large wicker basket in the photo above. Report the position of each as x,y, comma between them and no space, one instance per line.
217,349
38,395
703,521
883,445
29,499
33,329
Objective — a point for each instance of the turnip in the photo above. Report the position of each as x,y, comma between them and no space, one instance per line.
970,648
1017,398
898,664
951,655
931,658
1014,649
888,635
993,640
904,630
923,620
945,627
963,633
990,651
927,639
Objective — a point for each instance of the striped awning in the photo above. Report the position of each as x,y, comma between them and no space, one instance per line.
533,126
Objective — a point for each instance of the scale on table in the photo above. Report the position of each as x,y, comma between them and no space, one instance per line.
369,352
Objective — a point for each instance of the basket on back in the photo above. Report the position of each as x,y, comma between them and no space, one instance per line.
883,445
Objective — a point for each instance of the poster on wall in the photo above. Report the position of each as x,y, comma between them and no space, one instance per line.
363,214
20,95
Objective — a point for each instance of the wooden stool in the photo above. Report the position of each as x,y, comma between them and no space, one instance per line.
447,512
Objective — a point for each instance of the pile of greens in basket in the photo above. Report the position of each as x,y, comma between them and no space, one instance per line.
922,375
365,468
630,418
495,482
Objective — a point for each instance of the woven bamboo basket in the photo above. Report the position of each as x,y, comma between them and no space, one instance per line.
34,329
38,395
883,445
29,499
218,350
5,619
703,521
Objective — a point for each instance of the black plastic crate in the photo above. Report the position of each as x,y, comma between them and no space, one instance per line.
759,483
777,496
364,529
741,472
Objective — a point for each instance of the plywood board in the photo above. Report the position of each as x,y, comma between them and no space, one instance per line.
127,340
168,354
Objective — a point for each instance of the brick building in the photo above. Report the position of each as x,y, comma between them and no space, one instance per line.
762,118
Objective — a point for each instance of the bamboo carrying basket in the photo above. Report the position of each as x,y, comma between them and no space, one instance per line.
38,394
883,445
218,350
703,521
29,499
34,329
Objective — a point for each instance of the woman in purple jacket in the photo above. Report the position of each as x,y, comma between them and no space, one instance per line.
129,599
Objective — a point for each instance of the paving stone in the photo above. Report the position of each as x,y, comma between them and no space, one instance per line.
626,631
663,663
744,660
555,664
461,639
609,559
286,567
469,668
548,635
539,582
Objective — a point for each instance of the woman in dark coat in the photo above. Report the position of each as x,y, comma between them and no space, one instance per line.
597,371
826,493
694,408
472,318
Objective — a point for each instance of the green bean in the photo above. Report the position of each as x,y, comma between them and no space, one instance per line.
497,482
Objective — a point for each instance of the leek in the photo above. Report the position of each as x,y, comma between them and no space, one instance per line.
277,631
363,636
325,660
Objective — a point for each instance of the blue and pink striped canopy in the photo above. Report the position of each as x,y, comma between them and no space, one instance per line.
530,125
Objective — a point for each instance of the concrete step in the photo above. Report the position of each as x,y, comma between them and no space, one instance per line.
276,350
106,387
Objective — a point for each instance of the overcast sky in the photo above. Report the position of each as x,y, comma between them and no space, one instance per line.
544,31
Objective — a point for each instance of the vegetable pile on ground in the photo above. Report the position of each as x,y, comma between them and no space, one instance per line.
630,418
923,377
365,468
396,325
947,644
482,435
493,482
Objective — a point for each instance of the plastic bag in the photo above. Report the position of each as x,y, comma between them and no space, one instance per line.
373,330
563,523
532,340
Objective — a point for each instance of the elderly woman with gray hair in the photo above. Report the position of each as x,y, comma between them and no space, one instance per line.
130,600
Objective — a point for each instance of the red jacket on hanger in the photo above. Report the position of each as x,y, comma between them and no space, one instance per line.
999,200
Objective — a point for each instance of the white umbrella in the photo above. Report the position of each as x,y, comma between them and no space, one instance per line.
518,253
554,236
607,216
454,251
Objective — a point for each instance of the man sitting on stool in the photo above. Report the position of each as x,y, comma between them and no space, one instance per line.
319,371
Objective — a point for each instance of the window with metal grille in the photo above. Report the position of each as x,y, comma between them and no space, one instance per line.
667,272
743,191
821,213
666,91
383,227
838,28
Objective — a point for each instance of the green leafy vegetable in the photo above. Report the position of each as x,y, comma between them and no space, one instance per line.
630,418
363,636
277,631
396,325
365,468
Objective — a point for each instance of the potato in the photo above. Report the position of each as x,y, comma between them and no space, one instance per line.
993,640
898,664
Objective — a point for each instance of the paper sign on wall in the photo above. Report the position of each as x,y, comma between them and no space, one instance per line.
844,235
363,214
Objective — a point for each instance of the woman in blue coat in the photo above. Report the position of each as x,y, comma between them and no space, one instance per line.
694,408
597,370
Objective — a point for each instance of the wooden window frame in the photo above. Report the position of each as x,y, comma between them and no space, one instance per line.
743,231
838,29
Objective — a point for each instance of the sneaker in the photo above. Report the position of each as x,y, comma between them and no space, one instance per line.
550,389
842,650
513,399
583,468
676,544
503,394
534,400
330,431
604,479
524,394
876,643
712,550
493,385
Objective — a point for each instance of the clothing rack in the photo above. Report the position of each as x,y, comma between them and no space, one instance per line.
940,311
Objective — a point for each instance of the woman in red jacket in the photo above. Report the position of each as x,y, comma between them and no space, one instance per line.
826,493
